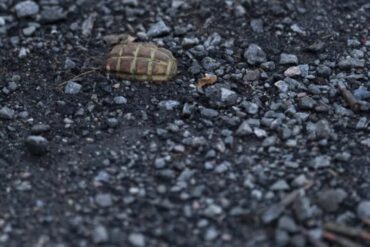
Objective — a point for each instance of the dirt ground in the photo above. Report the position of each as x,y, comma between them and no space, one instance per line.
267,156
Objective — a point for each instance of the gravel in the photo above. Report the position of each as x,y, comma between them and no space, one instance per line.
265,156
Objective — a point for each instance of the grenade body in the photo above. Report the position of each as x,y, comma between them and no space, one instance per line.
141,61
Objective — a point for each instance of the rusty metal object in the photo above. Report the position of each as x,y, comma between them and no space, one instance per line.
141,61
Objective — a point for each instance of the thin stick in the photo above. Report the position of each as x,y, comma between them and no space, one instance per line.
348,231
78,76
348,96
344,242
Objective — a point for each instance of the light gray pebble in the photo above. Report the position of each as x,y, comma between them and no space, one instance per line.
137,239
69,64
169,105
244,129
27,9
330,200
255,55
208,112
104,200
257,25
288,59
100,235
321,161
6,113
280,185
112,122
363,210
28,31
158,29
119,100
72,87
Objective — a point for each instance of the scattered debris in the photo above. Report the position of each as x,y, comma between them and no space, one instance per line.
206,80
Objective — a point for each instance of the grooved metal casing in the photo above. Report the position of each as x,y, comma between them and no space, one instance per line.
141,61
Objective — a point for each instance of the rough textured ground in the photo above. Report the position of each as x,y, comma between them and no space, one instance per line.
264,157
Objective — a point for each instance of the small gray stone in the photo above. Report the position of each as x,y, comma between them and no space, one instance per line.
282,238
270,65
188,42
239,10
27,9
160,163
104,200
158,29
280,185
6,113
255,55
272,213
52,14
72,88
69,64
23,52
132,3
12,86
112,122
244,129
292,71
119,100
100,235
211,234
195,68
40,128
282,86
287,224
361,93
320,162
288,59
229,97
208,112
169,105
330,200
137,239
363,210
297,29
250,107
37,145
302,208
252,75
210,64
257,25
28,31
323,129
323,70
213,40
349,62
306,103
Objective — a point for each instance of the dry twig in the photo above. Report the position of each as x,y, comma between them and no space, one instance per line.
342,241
348,231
